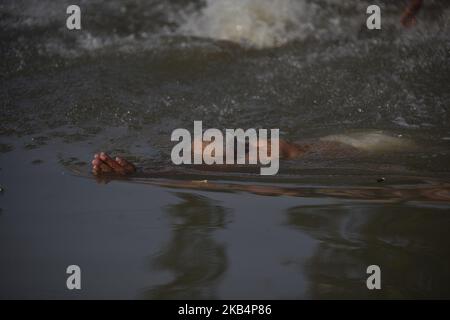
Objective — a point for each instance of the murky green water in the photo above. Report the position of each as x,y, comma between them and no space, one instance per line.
140,69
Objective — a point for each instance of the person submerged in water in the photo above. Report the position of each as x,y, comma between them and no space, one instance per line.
106,168
332,146
104,164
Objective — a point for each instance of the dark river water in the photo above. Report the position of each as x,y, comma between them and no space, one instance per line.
138,69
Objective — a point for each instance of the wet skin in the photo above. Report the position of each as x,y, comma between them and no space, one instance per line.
103,164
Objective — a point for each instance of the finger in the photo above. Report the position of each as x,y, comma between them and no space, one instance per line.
112,164
129,167
96,170
98,167
104,168
101,169
96,162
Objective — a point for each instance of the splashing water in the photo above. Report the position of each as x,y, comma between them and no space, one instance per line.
258,23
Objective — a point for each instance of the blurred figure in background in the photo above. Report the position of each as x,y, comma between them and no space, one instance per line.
408,18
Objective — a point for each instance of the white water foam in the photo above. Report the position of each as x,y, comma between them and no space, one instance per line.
258,23
372,141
